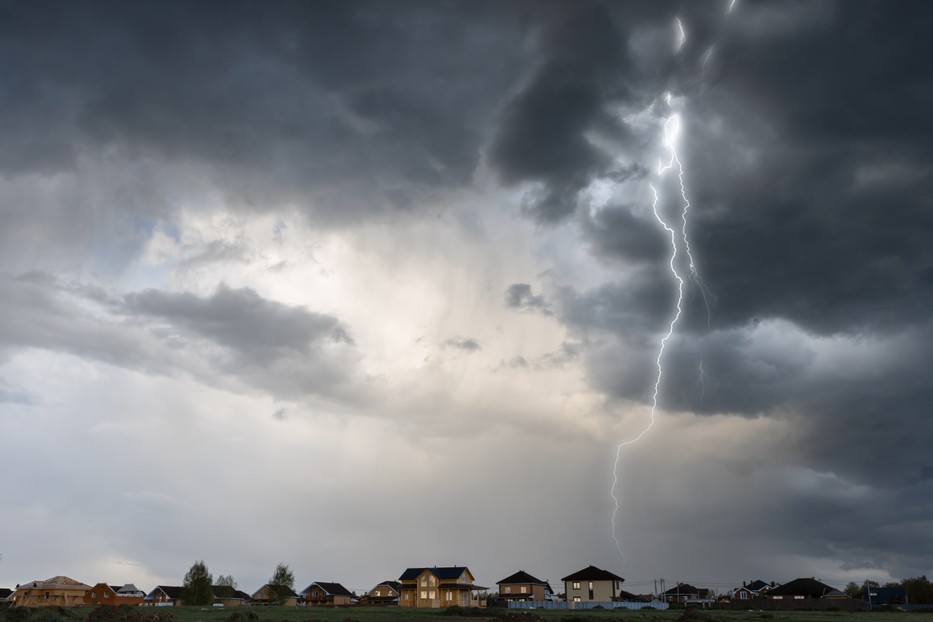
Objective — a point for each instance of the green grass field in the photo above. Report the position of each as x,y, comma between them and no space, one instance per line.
382,614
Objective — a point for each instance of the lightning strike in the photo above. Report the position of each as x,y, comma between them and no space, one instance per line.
671,131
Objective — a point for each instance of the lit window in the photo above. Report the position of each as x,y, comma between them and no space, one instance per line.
450,595
524,589
424,581
431,580
378,593
591,585
431,594
576,585
576,599
508,589
424,594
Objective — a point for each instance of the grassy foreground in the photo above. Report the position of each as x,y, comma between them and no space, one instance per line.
383,614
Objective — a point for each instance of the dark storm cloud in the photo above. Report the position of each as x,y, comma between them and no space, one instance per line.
810,174
541,135
296,102
286,350
617,233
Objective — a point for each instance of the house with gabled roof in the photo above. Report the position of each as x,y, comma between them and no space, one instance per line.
592,584
384,594
324,594
228,596
165,596
684,592
440,586
270,594
804,589
112,595
5,594
60,591
523,586
752,590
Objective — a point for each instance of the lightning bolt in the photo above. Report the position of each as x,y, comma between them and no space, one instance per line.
678,238
670,136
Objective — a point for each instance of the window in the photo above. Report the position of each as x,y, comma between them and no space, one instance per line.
432,581
424,594
576,585
378,593
508,589
424,581
798,597
431,595
743,595
450,596
524,589
591,585
576,599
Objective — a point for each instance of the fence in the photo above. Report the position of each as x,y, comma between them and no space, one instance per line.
593,604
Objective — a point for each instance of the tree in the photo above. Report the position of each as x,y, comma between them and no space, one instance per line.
853,589
198,585
282,583
919,590
227,580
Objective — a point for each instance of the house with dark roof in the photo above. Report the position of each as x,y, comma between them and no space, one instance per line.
165,596
592,584
440,586
324,594
523,586
804,589
384,594
5,594
270,594
228,596
752,590
684,592
877,596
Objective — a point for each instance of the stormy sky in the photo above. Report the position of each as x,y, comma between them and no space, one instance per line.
359,286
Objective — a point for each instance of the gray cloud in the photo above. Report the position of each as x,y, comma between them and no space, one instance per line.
463,343
233,333
243,321
15,394
520,296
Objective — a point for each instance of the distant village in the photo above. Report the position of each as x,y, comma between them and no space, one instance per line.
450,586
